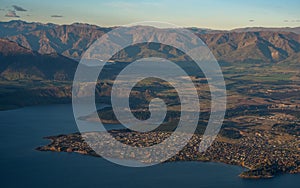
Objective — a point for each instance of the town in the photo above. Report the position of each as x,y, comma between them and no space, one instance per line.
263,153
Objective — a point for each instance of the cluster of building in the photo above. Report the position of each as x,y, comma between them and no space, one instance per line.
263,150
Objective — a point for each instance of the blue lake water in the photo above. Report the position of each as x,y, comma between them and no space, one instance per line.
22,130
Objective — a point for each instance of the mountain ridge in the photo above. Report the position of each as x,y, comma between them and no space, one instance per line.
244,44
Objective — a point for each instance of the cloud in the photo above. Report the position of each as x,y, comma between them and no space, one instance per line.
56,16
12,13
18,8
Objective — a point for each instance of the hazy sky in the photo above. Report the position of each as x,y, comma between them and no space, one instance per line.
216,14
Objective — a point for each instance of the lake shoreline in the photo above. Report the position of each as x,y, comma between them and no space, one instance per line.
65,143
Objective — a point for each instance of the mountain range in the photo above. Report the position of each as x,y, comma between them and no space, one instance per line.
51,51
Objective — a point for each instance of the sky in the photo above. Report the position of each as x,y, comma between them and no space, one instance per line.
214,14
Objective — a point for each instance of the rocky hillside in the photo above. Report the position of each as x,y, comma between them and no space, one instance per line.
18,62
68,40
263,46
